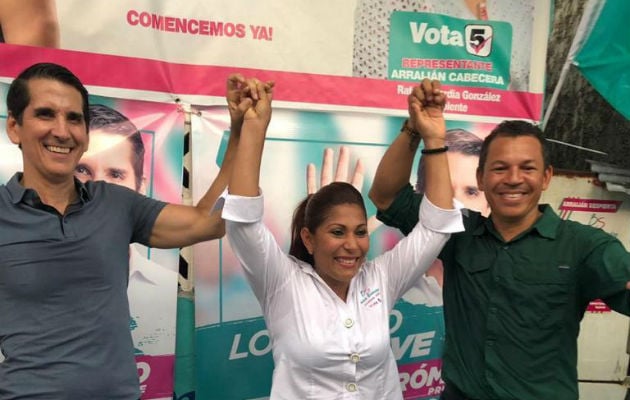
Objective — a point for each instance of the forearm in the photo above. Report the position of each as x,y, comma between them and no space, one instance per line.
437,179
414,254
225,172
30,22
393,170
245,176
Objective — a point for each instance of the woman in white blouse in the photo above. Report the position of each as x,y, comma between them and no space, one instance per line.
327,307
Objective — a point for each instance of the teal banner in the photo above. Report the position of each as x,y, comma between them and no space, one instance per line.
453,50
242,364
604,59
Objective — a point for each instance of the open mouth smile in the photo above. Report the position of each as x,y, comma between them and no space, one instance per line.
58,149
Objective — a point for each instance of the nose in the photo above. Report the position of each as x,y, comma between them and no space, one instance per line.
61,128
351,242
514,176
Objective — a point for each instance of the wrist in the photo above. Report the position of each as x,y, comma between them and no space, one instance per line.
412,134
434,143
434,150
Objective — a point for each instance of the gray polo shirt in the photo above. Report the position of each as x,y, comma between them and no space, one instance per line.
64,314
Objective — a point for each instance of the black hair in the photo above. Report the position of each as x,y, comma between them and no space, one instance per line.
19,96
513,129
315,208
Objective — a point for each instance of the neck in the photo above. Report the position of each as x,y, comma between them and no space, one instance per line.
55,194
341,292
339,288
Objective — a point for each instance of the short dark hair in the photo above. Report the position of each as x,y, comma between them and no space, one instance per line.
111,121
19,97
315,208
458,141
513,129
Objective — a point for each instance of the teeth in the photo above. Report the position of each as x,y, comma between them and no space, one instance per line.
346,261
57,149
513,196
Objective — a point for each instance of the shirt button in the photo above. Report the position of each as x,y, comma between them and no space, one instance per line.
348,323
351,387
506,247
354,357
493,310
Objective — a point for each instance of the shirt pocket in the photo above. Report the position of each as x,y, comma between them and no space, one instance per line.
476,265
540,294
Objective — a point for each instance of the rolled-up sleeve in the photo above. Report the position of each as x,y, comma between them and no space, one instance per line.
243,209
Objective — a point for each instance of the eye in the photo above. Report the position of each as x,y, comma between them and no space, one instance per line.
116,174
361,232
75,118
337,232
472,191
83,170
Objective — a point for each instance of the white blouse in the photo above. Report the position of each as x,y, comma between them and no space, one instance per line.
323,347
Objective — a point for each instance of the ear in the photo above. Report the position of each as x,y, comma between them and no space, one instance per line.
547,177
307,239
12,129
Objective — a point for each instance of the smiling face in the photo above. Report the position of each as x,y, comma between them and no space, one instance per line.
513,178
52,134
339,245
110,159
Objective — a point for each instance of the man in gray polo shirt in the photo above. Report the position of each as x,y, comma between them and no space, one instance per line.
64,248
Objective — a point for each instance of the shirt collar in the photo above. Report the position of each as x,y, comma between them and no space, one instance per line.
546,226
19,193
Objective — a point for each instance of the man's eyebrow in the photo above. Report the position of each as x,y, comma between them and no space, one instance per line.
43,110
75,115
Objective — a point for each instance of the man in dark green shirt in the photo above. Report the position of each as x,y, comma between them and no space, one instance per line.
516,284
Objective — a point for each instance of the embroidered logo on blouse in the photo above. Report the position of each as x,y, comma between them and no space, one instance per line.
370,297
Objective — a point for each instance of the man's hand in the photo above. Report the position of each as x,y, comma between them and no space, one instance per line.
238,90
257,104
426,106
340,175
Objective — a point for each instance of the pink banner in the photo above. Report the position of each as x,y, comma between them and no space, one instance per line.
590,205
156,376
296,87
422,379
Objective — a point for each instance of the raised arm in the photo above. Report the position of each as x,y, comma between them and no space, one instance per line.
246,176
179,225
30,22
426,105
426,121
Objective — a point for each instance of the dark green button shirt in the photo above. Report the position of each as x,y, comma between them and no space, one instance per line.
512,309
